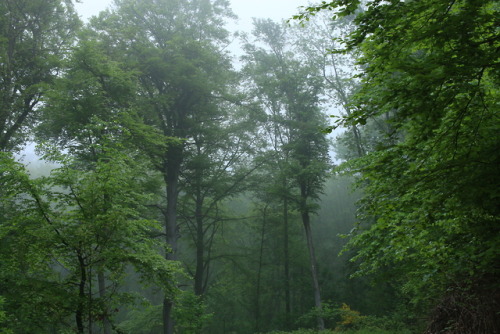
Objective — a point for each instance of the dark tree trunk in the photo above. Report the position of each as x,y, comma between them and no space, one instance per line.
312,257
287,264
200,247
314,272
101,280
81,294
168,323
172,168
259,272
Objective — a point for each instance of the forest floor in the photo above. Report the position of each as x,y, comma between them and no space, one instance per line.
352,331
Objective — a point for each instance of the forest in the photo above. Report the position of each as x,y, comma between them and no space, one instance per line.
340,175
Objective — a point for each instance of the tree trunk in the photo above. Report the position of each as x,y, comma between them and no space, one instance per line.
101,280
314,273
172,168
287,264
259,271
200,247
81,294
168,323
339,87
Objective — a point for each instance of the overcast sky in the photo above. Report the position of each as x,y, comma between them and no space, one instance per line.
245,9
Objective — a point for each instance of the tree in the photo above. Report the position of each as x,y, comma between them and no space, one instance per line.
101,226
432,191
217,168
79,223
34,37
24,268
94,88
175,47
289,89
316,39
88,113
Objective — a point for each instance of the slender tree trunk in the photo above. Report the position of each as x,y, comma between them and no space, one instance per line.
101,280
259,272
200,247
340,88
172,168
287,264
314,272
81,295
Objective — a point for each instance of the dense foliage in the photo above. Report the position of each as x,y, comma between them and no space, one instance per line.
183,195
431,182
34,38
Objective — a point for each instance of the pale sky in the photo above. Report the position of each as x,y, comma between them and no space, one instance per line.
245,9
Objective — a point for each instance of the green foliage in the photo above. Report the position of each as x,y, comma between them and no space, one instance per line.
382,325
4,327
287,87
342,318
370,330
352,331
431,183
190,315
93,103
143,321
154,125
299,331
345,320
78,222
31,300
34,36
329,312
110,201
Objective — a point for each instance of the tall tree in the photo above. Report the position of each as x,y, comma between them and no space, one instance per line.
289,89
316,40
35,35
175,46
434,190
218,166
88,110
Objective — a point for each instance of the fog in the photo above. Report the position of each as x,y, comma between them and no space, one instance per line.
245,10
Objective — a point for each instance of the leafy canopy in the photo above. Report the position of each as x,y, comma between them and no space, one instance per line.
432,184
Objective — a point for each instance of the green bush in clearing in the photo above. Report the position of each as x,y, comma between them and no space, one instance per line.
372,331
382,325
351,331
301,331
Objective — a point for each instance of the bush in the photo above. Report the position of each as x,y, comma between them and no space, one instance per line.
342,319
300,331
384,324
338,317
143,320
